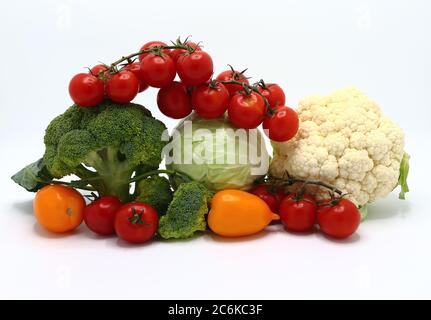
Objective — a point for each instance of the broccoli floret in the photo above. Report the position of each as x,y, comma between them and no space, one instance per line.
156,191
186,213
113,139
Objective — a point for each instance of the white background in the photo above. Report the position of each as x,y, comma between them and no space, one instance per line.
382,47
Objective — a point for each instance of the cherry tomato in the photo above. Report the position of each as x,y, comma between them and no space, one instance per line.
338,218
271,197
210,101
58,208
158,71
136,222
97,69
229,75
246,110
298,212
174,101
176,53
135,68
151,44
86,90
122,87
195,68
274,94
99,215
282,125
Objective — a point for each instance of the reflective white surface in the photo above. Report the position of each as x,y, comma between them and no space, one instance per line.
383,47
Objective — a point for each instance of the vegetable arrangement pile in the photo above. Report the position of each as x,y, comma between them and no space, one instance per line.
339,154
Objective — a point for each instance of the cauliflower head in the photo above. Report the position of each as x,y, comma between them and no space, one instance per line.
346,141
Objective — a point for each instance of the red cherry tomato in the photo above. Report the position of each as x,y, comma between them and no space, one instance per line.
339,219
230,75
282,125
298,213
174,101
97,69
86,90
210,101
135,68
122,87
136,222
195,68
271,197
158,71
176,53
99,215
274,94
246,110
151,44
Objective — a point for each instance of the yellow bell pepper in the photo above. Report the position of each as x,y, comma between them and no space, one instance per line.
236,213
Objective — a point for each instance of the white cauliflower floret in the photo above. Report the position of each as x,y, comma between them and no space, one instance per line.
343,140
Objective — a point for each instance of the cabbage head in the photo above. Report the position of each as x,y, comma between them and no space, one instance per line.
217,154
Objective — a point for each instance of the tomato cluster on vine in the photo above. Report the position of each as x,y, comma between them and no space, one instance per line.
158,64
336,217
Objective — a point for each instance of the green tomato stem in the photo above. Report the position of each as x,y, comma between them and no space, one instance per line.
248,88
288,180
319,183
156,50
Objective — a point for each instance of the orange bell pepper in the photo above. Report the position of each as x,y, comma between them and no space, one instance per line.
236,213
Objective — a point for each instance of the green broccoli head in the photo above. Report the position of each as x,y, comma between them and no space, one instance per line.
113,139
186,213
156,191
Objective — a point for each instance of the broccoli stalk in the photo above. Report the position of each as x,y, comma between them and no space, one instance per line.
112,176
103,145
